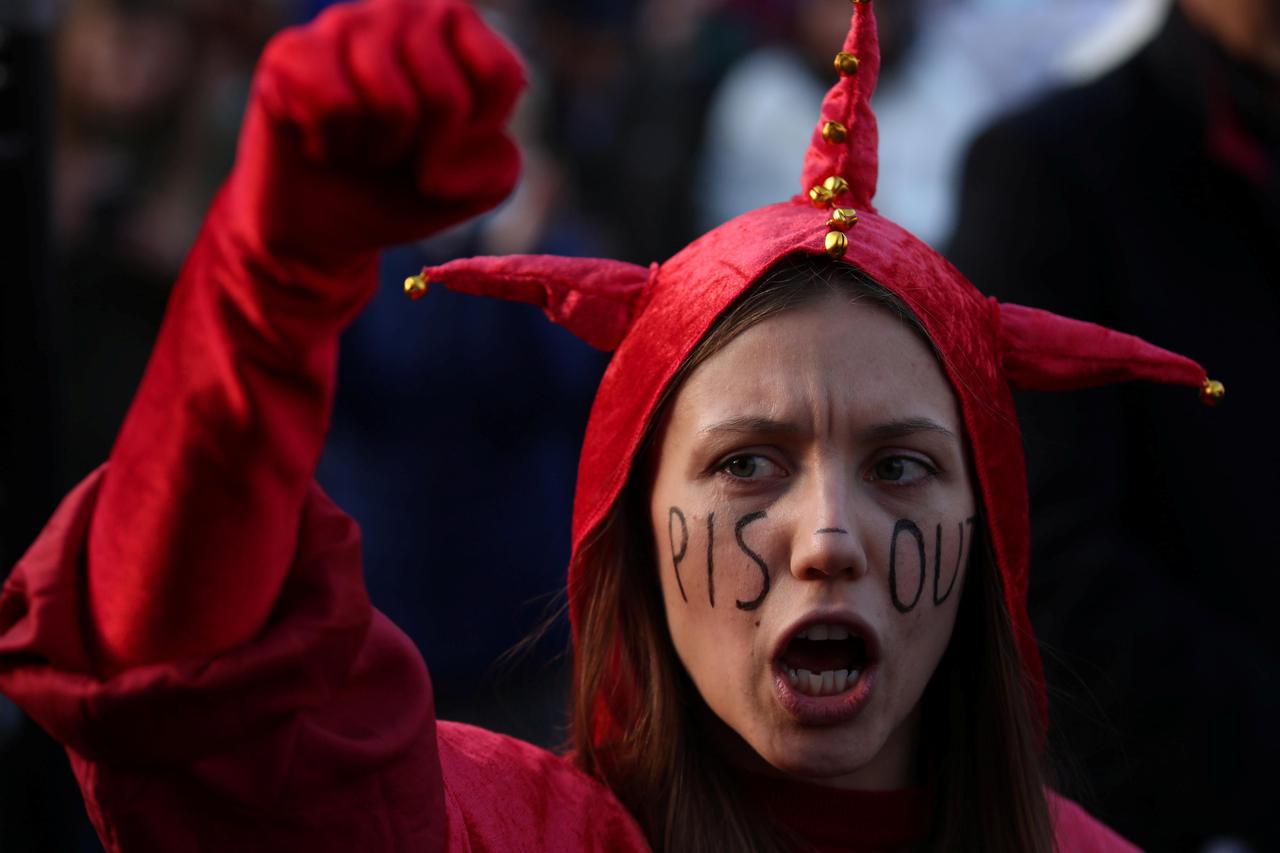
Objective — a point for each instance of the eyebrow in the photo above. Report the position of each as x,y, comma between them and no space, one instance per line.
756,425
904,427
753,425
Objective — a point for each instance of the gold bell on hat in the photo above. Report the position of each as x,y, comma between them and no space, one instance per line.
1212,392
415,287
846,64
823,194
820,196
836,243
843,218
834,132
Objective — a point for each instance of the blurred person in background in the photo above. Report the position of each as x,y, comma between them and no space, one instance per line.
1148,199
629,83
149,100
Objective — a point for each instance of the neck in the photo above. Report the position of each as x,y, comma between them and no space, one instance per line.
1247,29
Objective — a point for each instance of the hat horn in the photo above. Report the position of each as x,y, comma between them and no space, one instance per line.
1046,352
593,298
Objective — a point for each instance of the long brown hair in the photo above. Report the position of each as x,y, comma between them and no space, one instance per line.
980,752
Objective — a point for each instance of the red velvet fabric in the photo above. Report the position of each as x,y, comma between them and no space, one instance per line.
829,819
319,734
1045,352
505,795
595,299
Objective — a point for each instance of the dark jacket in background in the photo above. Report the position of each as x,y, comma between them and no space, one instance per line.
1149,201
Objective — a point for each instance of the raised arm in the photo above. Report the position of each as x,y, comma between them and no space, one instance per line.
376,124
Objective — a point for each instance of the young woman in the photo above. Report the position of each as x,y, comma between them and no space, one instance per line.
798,579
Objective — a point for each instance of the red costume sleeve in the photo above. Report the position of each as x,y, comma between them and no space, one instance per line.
318,735
192,624
377,124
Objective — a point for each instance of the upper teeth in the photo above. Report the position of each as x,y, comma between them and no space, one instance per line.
824,632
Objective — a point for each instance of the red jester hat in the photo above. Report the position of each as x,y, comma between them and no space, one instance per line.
653,317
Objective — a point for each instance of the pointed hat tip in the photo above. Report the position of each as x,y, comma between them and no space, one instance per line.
594,298
845,142
1044,351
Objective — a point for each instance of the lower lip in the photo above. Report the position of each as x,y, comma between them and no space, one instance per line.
824,710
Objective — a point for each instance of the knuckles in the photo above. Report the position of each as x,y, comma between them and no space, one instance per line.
387,114
457,73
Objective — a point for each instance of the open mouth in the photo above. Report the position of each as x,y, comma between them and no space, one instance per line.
824,659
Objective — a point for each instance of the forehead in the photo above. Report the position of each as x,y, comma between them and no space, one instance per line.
839,358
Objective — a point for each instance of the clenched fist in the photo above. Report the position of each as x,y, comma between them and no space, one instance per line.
378,123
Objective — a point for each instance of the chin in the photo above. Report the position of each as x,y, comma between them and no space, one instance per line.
824,755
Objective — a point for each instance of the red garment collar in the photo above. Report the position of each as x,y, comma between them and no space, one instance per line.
831,819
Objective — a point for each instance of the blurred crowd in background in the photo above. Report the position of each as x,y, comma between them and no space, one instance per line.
1155,210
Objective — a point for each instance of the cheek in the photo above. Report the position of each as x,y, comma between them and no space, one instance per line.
706,559
713,582
671,536
924,569
923,564
926,631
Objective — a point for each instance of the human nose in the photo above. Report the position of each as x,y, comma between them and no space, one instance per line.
827,541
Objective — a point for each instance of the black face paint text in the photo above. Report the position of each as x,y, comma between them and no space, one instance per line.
676,520
672,515
906,525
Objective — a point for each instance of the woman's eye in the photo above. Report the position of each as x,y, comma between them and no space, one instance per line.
750,467
902,469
